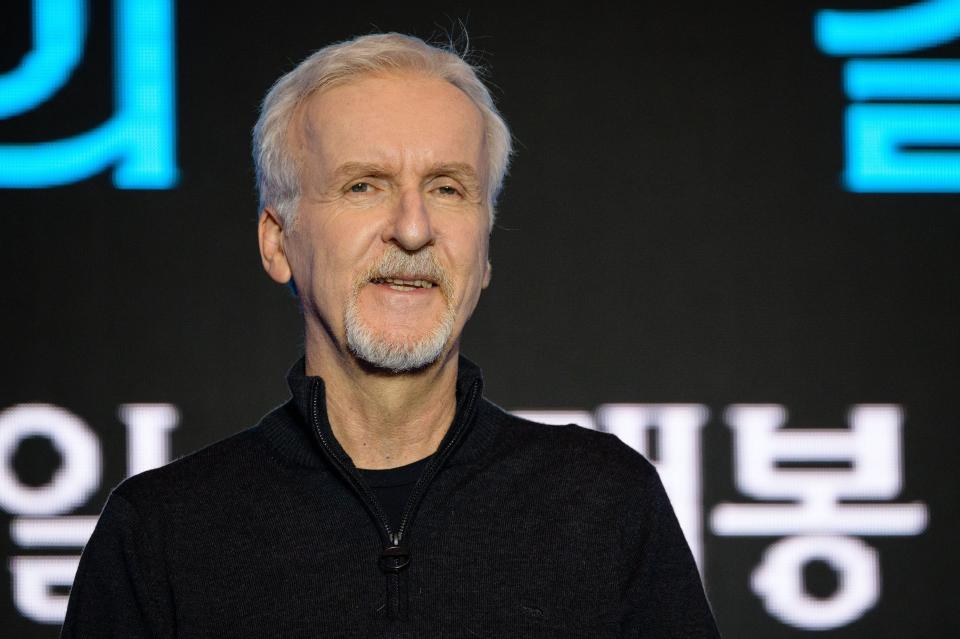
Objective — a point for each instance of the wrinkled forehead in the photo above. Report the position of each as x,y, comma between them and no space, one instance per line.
393,118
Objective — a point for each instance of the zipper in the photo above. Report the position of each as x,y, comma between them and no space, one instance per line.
369,500
434,466
395,557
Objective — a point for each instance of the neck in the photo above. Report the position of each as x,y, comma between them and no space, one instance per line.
385,420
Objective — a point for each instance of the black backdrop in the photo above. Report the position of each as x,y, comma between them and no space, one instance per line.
674,229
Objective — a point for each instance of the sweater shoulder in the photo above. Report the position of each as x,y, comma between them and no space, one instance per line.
205,471
563,446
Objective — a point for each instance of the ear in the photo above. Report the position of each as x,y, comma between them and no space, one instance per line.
270,236
487,272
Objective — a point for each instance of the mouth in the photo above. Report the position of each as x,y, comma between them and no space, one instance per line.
403,284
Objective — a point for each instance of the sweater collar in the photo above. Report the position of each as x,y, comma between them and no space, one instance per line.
308,407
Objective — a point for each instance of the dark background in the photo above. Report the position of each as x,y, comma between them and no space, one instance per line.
673,229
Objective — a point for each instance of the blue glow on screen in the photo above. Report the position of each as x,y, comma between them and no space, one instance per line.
902,79
885,31
59,30
906,147
138,140
877,161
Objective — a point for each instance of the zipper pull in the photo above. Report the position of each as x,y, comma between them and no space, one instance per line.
394,557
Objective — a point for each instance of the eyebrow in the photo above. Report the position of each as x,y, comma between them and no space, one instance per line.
455,169
458,170
354,169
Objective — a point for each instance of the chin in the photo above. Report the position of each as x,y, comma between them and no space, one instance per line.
397,353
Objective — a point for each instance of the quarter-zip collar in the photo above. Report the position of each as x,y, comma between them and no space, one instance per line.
304,447
309,400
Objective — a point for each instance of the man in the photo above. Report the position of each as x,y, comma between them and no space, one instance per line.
388,497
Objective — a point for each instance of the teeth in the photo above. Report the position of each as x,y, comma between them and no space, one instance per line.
403,285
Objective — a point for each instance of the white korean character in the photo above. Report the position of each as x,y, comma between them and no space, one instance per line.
867,466
36,578
871,447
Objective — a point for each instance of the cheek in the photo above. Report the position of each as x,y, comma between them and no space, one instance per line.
311,265
473,265
342,254
300,258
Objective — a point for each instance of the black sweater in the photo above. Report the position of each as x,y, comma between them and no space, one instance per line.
516,529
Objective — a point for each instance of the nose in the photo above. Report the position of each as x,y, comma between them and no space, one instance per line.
409,226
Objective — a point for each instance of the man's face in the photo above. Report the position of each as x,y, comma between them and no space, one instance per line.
389,244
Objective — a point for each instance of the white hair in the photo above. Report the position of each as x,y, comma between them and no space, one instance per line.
337,64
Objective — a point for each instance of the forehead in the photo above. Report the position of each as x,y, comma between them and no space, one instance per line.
396,119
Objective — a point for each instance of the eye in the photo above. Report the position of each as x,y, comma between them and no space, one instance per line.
360,187
447,190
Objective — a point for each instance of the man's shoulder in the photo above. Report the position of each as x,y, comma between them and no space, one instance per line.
567,446
217,467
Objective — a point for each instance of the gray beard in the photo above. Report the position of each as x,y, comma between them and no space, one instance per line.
374,349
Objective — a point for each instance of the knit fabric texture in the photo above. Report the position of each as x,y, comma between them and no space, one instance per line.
525,530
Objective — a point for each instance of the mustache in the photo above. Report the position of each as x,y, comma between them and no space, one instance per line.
394,262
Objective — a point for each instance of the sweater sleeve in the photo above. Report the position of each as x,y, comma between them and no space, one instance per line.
121,589
663,597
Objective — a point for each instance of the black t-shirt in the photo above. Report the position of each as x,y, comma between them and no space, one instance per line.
392,487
